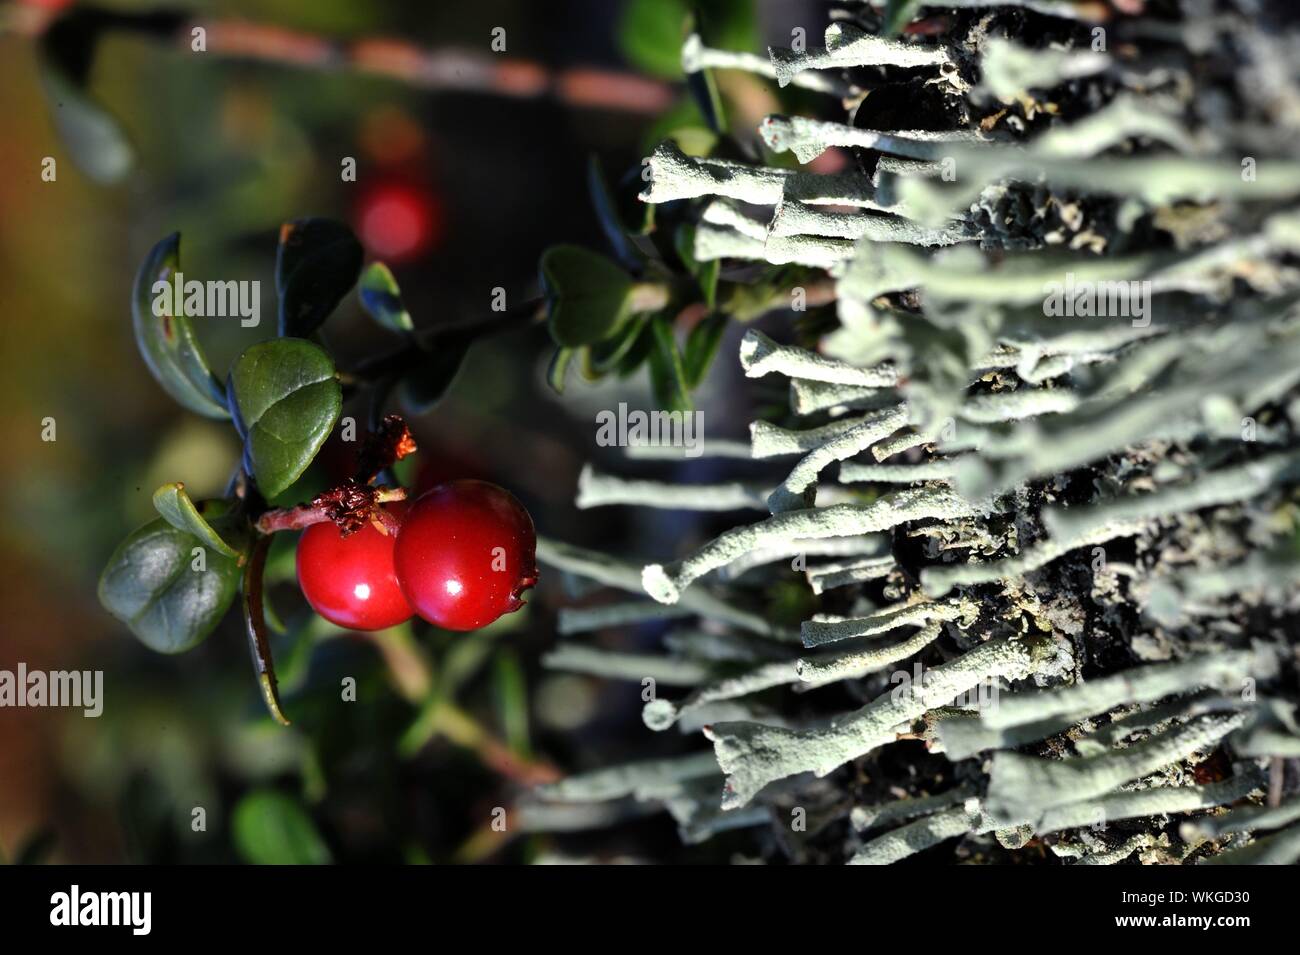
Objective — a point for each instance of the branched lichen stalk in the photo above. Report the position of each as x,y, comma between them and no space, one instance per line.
643,780
571,620
1244,819
863,818
1024,786
760,355
858,663
874,544
615,665
1281,848
599,490
1226,670
816,633
753,754
809,138
665,582
696,56
675,175
791,493
613,572
849,46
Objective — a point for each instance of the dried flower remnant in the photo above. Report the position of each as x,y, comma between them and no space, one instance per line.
1095,512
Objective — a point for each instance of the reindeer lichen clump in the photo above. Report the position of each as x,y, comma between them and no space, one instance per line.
1054,555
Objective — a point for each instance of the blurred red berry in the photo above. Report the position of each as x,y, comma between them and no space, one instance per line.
398,222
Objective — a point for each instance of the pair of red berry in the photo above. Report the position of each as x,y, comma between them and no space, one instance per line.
462,556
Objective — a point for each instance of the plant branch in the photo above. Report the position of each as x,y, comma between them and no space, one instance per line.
259,644
407,357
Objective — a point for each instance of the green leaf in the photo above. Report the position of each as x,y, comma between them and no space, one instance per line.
382,299
603,357
512,702
685,126
667,376
176,508
424,387
636,356
650,35
167,342
271,828
611,221
706,273
701,346
588,297
729,24
317,264
152,586
462,662
286,400
898,13
651,32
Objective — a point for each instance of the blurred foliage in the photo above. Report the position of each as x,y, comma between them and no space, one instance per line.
225,151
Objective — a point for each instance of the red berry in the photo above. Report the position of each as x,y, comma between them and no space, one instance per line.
465,553
350,580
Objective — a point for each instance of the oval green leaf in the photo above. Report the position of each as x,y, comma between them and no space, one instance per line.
178,510
271,828
587,296
382,298
650,32
667,374
286,400
604,357
152,585
167,342
706,273
701,346
317,263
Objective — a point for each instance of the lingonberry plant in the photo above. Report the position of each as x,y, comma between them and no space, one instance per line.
469,553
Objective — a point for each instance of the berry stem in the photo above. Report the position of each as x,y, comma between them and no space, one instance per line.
461,728
305,515
259,643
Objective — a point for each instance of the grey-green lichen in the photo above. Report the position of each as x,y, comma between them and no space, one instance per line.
1053,548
